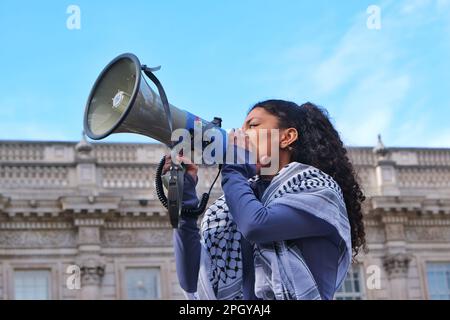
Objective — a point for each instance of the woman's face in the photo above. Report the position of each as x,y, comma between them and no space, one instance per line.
266,139
262,129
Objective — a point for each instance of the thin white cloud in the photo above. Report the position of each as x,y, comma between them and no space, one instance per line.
371,107
364,77
353,57
413,6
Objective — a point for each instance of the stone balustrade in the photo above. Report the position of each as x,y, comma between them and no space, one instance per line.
56,165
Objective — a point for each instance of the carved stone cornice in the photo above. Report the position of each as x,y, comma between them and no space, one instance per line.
81,205
31,208
89,222
428,221
154,224
405,204
49,225
394,219
90,204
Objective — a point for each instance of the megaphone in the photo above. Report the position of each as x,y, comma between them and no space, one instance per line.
122,101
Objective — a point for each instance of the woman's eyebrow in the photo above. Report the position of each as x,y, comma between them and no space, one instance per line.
248,121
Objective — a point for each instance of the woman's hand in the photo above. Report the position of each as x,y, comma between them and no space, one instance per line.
238,138
239,156
191,168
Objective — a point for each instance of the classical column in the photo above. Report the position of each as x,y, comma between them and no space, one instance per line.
90,261
396,266
396,260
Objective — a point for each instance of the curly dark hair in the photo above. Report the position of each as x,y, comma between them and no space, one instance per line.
319,145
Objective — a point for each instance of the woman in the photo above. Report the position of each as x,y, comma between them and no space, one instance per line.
286,236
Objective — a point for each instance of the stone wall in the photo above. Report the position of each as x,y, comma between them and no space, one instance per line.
94,206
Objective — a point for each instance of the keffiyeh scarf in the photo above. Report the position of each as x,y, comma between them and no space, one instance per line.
280,270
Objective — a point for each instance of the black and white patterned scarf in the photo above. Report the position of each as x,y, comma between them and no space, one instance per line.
280,270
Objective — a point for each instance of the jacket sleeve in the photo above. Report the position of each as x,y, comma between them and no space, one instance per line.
186,240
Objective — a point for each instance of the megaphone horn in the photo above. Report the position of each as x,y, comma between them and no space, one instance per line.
122,101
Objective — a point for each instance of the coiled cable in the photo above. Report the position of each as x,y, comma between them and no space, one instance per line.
187,211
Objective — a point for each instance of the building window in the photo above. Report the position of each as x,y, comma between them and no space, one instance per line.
438,274
32,284
352,287
143,283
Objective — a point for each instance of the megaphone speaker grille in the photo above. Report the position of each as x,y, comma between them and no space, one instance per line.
112,96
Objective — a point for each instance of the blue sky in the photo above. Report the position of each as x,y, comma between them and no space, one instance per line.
220,57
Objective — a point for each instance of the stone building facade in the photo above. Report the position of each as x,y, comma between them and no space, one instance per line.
82,221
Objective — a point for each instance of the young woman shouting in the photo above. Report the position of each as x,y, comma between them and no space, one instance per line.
290,235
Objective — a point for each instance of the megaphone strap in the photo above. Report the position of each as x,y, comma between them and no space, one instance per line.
149,73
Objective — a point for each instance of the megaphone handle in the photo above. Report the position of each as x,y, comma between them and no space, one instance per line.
162,93
174,195
162,197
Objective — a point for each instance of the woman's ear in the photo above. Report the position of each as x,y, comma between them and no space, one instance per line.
288,137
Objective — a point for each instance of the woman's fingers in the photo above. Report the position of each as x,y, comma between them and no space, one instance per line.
166,168
167,164
190,167
184,160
